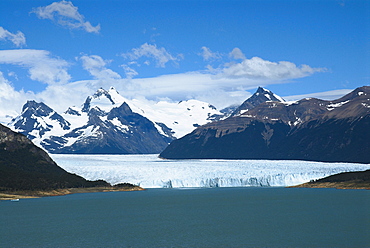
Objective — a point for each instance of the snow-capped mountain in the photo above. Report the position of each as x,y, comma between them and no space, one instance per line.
260,96
308,129
38,121
171,119
109,123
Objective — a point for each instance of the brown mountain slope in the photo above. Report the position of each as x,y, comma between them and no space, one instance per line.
309,129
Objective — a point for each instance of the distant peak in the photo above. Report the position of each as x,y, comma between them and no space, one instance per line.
267,95
37,108
113,91
100,92
32,104
261,90
101,96
260,96
72,111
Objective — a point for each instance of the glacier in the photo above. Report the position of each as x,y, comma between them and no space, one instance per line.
149,171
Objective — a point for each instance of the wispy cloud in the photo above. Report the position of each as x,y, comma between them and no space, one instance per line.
66,15
327,95
130,72
96,66
18,38
207,54
41,65
158,54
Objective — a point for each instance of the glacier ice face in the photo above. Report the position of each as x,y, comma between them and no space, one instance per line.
149,171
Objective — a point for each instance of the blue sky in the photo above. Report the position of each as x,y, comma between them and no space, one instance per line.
213,50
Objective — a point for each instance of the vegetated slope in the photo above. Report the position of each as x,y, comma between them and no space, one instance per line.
309,129
23,166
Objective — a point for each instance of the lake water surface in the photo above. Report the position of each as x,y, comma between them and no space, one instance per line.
203,217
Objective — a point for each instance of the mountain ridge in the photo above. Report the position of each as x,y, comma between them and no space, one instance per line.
308,129
108,123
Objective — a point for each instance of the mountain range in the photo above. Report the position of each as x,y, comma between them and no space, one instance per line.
267,127
264,126
108,123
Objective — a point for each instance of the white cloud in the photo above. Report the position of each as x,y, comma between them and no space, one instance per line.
13,74
207,54
130,73
220,92
18,39
260,69
11,101
326,95
230,82
95,65
256,68
160,55
223,86
7,91
41,66
236,53
67,15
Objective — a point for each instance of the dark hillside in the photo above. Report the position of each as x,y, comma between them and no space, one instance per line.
23,166
309,129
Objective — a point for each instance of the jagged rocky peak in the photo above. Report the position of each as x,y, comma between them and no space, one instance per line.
33,110
38,109
104,99
260,96
36,119
96,111
101,93
72,111
268,95
122,110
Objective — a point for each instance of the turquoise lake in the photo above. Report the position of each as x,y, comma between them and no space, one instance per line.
204,217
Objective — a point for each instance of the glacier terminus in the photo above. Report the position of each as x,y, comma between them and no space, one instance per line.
149,171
